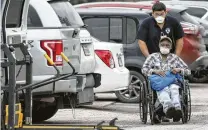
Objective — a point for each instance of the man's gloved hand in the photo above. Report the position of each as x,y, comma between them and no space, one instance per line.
176,70
160,72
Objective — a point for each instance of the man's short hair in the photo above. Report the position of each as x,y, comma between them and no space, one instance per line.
158,6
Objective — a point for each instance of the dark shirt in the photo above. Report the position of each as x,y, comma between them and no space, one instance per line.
150,32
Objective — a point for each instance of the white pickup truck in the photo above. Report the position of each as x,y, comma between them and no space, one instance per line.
55,27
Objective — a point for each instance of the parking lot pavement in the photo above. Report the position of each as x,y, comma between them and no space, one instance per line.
107,107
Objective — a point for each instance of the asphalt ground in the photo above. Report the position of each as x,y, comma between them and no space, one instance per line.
108,107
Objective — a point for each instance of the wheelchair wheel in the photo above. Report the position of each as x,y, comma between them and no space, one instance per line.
151,106
186,104
144,103
184,119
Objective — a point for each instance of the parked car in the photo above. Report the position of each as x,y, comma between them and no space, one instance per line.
105,54
110,64
193,38
204,23
196,8
120,27
64,32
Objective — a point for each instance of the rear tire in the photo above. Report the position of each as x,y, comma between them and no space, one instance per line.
134,97
43,113
197,77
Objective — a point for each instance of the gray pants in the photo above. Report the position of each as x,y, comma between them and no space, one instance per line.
169,97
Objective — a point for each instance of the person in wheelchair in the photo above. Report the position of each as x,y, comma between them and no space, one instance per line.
164,64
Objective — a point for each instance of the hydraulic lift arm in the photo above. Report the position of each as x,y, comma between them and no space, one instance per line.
99,126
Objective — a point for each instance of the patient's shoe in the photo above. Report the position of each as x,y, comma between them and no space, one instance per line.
178,114
165,119
156,119
170,112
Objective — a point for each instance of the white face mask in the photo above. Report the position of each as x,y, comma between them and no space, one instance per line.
160,19
164,50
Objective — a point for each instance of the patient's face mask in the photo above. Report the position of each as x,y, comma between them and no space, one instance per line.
165,47
164,50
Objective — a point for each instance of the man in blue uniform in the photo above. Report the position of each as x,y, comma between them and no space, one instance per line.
159,24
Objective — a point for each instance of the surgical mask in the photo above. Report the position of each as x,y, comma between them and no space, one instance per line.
160,19
164,50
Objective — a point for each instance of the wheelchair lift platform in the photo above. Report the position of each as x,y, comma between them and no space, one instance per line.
67,127
20,126
12,112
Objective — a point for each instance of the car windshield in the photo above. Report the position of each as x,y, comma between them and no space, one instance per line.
66,13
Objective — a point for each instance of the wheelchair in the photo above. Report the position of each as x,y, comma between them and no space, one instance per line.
148,99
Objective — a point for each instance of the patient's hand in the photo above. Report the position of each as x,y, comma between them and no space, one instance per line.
176,70
160,72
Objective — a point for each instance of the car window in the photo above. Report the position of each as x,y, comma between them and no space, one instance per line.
66,13
98,27
141,18
198,12
131,30
116,30
33,19
14,13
